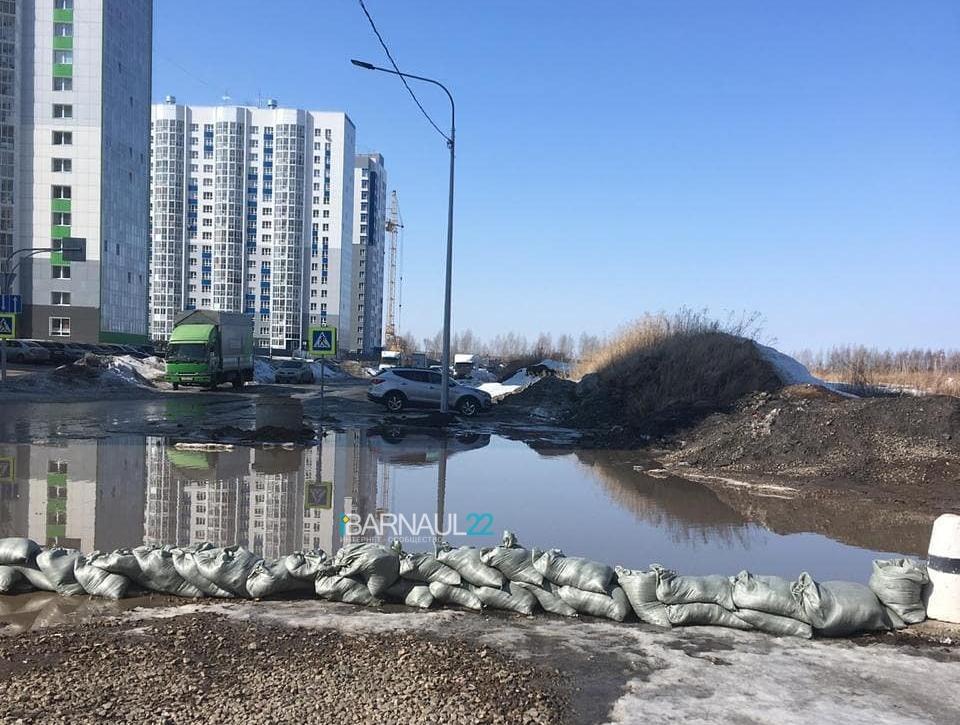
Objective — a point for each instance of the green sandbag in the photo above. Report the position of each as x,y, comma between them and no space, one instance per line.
459,596
641,590
770,594
673,588
898,583
573,571
614,605
548,597
704,613
775,624
411,593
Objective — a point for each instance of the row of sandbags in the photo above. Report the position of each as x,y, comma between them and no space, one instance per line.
507,577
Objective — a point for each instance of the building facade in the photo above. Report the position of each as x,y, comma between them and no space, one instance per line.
82,100
369,219
252,212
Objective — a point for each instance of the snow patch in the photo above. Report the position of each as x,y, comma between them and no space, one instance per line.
790,371
263,371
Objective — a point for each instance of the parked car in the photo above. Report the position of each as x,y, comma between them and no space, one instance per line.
60,352
25,351
399,388
294,371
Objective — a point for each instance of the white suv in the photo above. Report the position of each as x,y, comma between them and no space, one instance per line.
398,388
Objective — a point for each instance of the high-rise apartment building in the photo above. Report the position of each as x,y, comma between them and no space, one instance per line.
369,218
252,212
79,103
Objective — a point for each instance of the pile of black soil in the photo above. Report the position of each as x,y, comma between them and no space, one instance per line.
668,387
905,450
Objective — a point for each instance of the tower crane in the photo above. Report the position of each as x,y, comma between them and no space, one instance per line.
393,226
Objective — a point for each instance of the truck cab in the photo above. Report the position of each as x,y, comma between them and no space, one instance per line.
207,348
389,359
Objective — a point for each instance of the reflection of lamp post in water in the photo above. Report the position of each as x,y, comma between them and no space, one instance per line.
441,492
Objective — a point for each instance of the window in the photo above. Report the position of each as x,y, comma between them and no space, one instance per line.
65,165
59,272
62,110
60,298
57,467
63,30
61,192
61,218
63,84
63,4
62,138
63,57
59,327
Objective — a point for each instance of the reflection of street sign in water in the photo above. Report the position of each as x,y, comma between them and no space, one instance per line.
7,469
319,495
322,341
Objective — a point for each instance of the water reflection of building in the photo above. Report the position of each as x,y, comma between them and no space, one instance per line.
79,493
272,500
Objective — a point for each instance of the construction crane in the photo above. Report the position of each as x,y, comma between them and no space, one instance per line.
393,227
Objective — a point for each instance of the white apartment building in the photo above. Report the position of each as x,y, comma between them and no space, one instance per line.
252,212
80,102
369,218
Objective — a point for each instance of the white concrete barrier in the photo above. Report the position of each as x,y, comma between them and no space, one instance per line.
942,596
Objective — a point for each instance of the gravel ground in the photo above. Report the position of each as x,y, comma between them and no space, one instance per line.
204,668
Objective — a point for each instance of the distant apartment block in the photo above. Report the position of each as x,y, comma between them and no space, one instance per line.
75,86
369,217
252,211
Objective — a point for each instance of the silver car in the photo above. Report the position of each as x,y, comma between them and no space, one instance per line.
399,388
294,371
24,351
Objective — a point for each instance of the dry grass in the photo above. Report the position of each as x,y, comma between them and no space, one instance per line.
652,331
665,372
934,383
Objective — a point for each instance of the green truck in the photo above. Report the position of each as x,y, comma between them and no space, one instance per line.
208,348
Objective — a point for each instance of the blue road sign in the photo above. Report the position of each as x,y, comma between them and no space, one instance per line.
11,303
322,341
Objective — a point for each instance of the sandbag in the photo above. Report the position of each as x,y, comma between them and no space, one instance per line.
898,584
120,561
308,565
548,597
704,613
378,566
468,563
228,567
36,578
839,609
513,561
775,624
411,593
158,573
185,563
674,588
614,605
512,600
427,568
573,571
18,550
268,578
56,564
12,581
98,582
461,597
770,594
641,590
337,588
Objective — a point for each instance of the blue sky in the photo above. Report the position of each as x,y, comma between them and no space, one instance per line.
801,160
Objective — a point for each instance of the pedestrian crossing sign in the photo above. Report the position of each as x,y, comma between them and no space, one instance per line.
7,469
8,325
322,341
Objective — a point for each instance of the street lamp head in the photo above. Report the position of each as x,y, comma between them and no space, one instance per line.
362,64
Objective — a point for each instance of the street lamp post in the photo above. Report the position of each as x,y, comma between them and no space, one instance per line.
451,144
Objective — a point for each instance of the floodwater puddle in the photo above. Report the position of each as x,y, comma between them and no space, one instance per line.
416,485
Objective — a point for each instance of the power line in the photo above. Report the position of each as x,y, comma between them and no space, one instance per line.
397,69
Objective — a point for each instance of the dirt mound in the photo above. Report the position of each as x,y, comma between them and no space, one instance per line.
908,447
669,386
